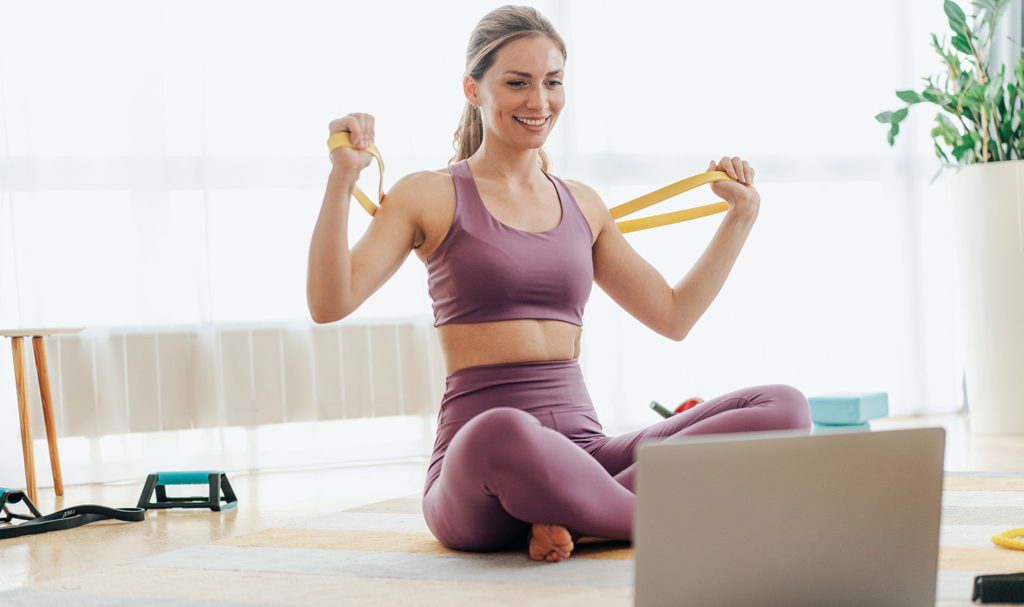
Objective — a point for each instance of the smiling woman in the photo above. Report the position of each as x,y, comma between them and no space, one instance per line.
508,89
183,206
511,253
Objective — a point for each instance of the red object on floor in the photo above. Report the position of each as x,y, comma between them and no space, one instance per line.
688,404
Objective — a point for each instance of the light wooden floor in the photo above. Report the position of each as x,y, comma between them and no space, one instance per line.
269,498
265,498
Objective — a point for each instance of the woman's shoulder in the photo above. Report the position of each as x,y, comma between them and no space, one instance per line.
427,198
422,187
421,179
587,197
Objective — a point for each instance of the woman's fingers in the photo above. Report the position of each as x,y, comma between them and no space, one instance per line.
729,166
366,136
358,125
736,168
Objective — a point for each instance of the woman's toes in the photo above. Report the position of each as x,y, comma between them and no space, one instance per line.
550,543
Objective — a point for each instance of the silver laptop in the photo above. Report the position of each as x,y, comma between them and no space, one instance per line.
787,518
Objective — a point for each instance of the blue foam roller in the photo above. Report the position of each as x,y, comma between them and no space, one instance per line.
848,407
837,428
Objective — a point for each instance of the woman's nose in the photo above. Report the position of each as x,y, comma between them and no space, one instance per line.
538,98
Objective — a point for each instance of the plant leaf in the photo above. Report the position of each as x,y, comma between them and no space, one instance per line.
946,129
909,96
957,18
961,44
973,97
945,121
967,145
883,117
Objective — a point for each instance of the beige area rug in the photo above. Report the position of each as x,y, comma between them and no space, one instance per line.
383,554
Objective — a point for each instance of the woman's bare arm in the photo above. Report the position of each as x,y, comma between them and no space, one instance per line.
643,292
340,279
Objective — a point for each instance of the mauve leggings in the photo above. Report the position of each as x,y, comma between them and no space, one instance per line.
520,443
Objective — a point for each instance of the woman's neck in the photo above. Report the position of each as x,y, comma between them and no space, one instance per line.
504,163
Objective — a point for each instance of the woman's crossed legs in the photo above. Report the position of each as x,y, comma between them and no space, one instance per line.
504,470
761,408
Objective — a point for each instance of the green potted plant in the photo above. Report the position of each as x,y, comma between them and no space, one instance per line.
982,113
979,130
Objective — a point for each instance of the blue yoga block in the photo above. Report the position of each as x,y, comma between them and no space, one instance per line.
839,428
848,407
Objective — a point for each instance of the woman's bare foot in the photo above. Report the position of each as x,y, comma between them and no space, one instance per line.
550,543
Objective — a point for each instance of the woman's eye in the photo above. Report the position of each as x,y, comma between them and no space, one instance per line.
520,83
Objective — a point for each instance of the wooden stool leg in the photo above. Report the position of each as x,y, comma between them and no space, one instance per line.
21,382
43,372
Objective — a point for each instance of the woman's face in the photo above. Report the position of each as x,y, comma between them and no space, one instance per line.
521,94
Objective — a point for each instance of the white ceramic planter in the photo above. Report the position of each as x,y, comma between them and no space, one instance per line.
988,211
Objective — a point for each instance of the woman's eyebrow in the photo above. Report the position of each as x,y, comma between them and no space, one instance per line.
529,75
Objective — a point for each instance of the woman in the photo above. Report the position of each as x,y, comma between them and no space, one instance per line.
511,253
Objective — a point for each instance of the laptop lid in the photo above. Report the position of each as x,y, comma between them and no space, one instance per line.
787,518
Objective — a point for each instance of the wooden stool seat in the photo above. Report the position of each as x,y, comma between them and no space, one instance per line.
21,383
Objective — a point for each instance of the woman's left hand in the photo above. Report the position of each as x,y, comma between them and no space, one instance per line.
741,199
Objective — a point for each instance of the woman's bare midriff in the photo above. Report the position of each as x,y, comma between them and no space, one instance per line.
508,341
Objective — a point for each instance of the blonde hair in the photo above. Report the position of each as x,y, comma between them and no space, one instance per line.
495,30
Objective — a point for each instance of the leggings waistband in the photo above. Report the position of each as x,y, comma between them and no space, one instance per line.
511,369
526,385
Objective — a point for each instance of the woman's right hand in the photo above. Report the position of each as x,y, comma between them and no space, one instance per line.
359,127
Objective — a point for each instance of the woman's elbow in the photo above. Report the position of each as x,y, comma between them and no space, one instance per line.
677,331
323,313
321,318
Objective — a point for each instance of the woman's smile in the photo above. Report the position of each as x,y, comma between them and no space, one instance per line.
535,125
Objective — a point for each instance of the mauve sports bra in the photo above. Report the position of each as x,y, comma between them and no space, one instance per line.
484,270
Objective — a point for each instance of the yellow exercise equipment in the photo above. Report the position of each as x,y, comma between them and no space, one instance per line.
1010,539
669,191
341,139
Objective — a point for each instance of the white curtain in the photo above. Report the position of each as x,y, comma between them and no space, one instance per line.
162,165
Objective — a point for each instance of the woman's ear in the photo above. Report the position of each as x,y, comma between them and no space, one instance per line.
471,88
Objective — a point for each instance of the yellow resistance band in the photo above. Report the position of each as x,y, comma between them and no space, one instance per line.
1010,539
669,191
341,139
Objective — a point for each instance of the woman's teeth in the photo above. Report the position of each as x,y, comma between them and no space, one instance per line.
531,122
